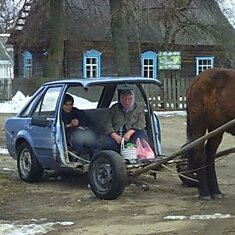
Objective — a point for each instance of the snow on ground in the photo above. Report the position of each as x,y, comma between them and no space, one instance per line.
31,227
198,217
14,105
3,151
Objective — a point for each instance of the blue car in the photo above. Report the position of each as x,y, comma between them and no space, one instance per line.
36,138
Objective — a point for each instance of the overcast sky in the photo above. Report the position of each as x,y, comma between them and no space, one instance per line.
228,6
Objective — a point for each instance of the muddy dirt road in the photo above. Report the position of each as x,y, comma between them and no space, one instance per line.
148,206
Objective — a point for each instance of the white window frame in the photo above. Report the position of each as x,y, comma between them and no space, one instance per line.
27,64
91,70
203,66
147,56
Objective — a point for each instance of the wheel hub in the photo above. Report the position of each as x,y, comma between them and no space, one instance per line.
104,176
25,162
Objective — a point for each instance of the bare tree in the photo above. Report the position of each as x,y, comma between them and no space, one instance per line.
119,37
8,14
56,40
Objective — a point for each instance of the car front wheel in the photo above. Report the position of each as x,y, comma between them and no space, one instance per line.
107,175
28,166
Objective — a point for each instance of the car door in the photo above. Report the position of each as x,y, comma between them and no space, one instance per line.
43,136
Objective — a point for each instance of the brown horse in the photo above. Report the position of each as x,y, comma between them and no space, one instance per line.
210,104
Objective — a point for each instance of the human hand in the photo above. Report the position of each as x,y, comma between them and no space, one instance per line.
116,137
74,122
128,135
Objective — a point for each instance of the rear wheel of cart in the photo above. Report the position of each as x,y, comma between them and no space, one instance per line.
188,178
107,175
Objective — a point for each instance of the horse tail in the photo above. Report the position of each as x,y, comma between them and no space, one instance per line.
189,128
191,152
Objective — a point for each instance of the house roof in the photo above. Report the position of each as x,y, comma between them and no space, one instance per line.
89,20
6,51
145,21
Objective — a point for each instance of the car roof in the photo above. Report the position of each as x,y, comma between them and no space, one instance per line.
106,81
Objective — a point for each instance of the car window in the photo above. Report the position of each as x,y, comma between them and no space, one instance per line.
138,96
85,98
47,104
27,110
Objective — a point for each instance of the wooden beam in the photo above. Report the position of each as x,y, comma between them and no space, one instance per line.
185,148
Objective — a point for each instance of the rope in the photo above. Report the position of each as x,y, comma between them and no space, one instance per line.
177,173
189,171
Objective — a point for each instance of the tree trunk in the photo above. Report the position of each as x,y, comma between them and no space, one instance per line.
56,41
119,35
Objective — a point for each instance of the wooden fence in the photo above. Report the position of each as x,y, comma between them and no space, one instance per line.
5,89
172,95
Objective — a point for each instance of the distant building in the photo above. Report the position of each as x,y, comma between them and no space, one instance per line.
172,50
6,58
6,67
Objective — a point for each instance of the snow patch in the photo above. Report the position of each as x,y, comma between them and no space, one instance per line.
3,151
33,227
198,217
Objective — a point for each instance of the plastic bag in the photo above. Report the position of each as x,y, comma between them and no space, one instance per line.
143,150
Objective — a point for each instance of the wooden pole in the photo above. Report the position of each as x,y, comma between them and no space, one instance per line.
225,152
184,149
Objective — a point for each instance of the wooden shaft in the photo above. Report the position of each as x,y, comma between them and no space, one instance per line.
184,149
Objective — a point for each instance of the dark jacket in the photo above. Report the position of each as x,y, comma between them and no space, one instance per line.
75,114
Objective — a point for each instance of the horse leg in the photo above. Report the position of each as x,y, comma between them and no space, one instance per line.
197,155
211,148
203,189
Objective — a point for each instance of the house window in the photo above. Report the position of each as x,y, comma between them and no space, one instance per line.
149,64
91,64
203,63
27,64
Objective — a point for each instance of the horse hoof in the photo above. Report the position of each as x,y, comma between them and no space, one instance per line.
206,198
217,196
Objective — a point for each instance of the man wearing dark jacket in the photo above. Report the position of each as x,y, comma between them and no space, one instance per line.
79,136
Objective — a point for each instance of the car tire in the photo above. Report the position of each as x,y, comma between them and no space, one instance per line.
188,178
107,175
28,166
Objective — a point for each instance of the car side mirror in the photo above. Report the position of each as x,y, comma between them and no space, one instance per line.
41,121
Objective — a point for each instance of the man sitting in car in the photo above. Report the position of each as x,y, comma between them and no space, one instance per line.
78,135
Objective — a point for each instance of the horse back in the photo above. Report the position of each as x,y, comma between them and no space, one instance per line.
211,98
